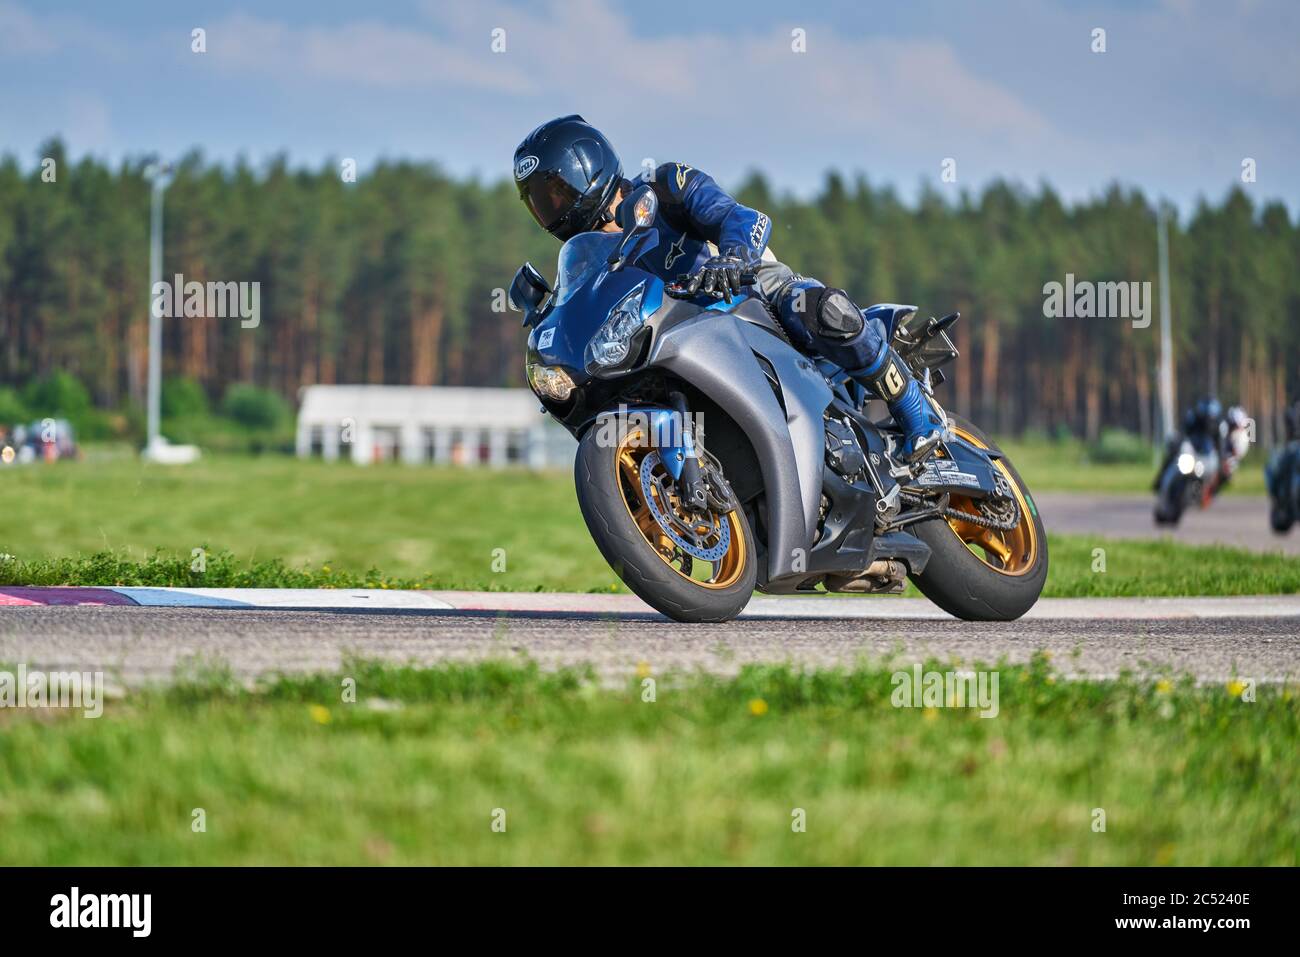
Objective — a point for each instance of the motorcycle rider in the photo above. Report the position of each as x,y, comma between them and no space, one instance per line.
1205,427
1236,440
571,180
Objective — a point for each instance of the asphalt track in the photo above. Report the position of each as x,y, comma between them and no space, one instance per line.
1237,520
1211,639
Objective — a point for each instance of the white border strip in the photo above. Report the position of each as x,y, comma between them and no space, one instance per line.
377,598
761,607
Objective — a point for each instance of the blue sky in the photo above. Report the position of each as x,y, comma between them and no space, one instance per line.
1184,92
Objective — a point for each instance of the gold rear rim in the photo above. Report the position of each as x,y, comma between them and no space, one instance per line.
722,573
1012,552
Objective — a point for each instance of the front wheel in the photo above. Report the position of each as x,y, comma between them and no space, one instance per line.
978,573
1170,500
1280,518
693,567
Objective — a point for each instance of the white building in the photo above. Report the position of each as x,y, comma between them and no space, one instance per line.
429,424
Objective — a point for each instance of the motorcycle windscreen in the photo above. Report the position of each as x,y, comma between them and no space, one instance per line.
584,295
580,259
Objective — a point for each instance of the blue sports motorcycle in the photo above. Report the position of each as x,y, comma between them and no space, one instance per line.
1190,476
714,458
1282,479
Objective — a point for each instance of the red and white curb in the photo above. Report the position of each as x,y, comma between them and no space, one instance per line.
307,598
560,603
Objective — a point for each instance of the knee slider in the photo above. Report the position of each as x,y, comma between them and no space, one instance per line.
835,314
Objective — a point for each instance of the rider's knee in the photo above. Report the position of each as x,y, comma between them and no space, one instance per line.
826,312
791,302
827,320
835,314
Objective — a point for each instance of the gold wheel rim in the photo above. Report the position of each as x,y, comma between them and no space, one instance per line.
627,474
1013,552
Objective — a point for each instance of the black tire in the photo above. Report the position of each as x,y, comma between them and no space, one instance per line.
967,587
1280,519
1169,503
635,561
1167,514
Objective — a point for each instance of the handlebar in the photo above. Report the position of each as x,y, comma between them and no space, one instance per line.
677,288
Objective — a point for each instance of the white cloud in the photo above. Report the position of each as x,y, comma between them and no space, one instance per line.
1008,88
21,34
362,53
856,83
585,52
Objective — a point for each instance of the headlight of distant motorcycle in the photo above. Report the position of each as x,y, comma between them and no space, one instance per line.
549,382
610,344
1186,462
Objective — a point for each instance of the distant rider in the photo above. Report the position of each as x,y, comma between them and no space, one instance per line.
1207,427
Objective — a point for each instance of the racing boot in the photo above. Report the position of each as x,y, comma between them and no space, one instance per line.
922,421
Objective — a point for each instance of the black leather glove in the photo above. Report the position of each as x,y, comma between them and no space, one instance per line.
719,277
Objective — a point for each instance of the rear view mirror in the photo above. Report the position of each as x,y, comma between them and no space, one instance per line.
638,214
644,206
527,291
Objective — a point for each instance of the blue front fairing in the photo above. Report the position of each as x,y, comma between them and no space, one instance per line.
586,291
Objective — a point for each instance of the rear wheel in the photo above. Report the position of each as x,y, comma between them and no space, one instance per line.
1280,518
693,567
979,573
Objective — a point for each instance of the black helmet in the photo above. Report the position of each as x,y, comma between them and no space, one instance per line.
1209,409
567,173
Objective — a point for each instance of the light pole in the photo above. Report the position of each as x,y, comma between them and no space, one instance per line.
1166,338
159,175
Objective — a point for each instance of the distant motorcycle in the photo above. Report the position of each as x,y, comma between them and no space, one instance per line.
1200,462
1282,478
794,486
1190,476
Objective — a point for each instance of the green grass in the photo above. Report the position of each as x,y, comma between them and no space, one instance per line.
1153,568
436,525
1131,568
708,773
280,522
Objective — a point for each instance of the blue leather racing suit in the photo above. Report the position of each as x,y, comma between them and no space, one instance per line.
698,221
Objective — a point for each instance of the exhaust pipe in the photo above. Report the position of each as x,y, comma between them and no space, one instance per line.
884,575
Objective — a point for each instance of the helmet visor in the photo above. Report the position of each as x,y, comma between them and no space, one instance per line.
549,196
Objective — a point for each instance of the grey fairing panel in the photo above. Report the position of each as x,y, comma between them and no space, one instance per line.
806,397
715,353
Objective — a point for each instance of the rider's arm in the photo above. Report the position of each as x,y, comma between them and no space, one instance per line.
691,200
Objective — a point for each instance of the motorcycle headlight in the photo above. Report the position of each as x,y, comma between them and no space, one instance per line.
609,346
550,382
1186,462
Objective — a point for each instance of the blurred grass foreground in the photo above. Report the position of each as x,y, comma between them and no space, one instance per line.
500,763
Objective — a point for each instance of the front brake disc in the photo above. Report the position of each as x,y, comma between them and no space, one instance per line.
683,535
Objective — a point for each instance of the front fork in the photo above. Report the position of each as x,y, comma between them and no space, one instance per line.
679,451
690,482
